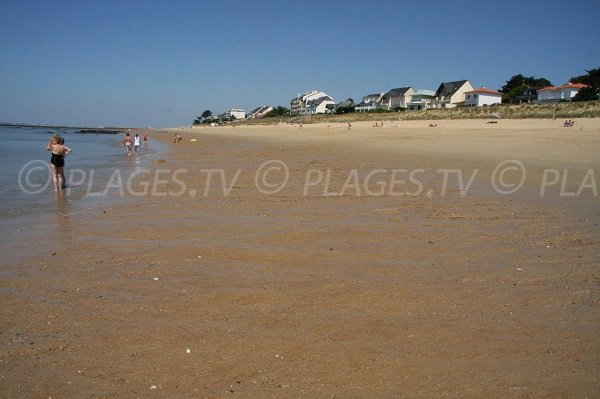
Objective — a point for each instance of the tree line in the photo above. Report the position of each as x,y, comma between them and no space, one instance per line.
519,84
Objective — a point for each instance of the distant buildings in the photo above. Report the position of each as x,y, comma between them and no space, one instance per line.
565,92
313,102
527,96
260,112
451,94
235,113
397,98
448,95
421,100
370,102
482,97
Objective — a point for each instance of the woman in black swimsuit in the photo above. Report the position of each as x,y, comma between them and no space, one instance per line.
57,161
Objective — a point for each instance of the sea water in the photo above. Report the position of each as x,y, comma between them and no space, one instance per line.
27,193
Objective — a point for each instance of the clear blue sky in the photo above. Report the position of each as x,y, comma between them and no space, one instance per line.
161,63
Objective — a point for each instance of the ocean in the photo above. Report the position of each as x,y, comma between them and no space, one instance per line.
28,197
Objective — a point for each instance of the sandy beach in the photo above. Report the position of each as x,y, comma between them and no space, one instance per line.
403,261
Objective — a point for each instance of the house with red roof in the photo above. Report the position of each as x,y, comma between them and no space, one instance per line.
565,92
482,97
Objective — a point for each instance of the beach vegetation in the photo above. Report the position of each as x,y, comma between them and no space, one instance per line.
592,79
587,94
518,84
346,107
278,111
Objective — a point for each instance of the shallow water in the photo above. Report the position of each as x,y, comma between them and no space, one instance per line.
29,203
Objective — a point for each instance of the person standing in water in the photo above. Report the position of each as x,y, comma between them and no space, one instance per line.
136,142
57,161
127,143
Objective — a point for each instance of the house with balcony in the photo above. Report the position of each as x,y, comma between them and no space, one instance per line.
421,100
235,113
451,94
555,94
397,98
482,97
312,102
527,96
370,102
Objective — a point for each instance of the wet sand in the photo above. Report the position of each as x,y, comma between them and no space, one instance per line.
321,293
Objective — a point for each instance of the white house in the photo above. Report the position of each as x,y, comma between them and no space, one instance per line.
421,100
451,94
313,102
236,113
482,97
369,103
565,92
397,98
260,112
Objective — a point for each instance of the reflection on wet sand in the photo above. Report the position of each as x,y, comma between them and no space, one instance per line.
63,209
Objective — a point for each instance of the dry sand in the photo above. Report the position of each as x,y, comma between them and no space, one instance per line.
429,294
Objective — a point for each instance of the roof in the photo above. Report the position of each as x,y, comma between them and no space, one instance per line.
347,103
565,86
319,100
367,104
400,91
447,89
424,92
485,90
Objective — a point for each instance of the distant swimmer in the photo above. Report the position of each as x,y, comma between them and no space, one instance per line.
57,161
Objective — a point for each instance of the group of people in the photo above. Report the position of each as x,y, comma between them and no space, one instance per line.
57,161
569,123
59,151
134,143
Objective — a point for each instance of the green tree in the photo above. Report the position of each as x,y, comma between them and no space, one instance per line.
278,111
516,85
206,114
198,120
592,78
586,94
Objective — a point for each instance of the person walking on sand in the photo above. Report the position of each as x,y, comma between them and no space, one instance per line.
145,138
127,143
136,142
57,161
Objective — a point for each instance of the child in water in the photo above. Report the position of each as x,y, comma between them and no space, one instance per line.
57,161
